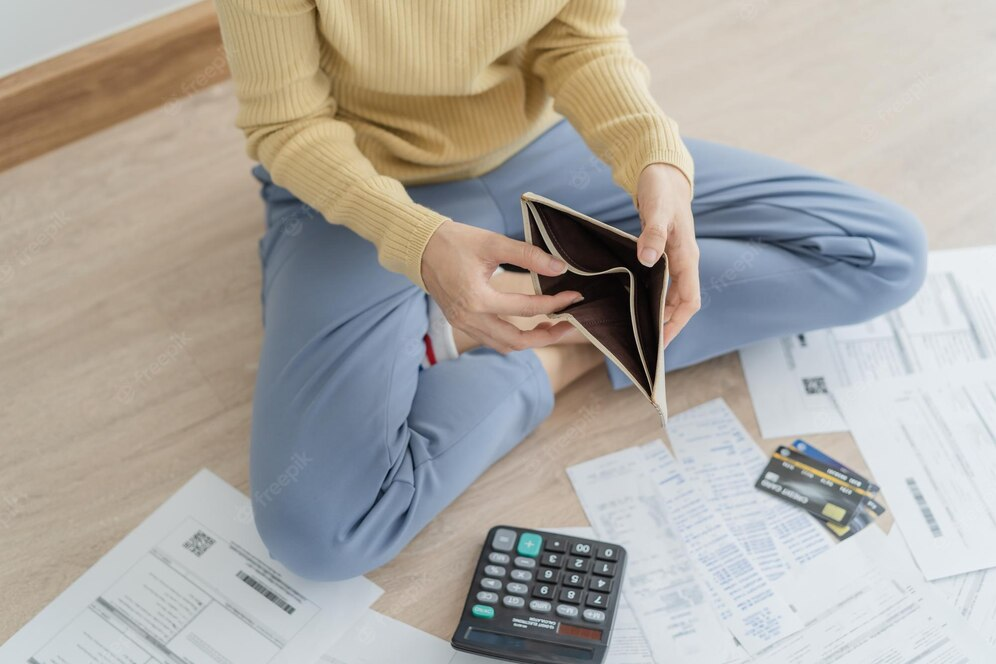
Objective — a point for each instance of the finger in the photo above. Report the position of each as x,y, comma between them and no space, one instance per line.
683,262
527,256
653,239
682,314
517,304
510,338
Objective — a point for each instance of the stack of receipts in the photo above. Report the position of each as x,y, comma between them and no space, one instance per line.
719,572
193,583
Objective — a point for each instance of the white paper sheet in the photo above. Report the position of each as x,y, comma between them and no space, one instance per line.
671,604
973,595
720,457
864,603
193,583
930,440
952,320
377,639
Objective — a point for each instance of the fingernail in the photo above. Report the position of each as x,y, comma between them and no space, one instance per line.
648,257
557,265
579,298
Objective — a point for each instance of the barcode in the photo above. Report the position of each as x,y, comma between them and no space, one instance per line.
266,592
921,502
198,543
816,385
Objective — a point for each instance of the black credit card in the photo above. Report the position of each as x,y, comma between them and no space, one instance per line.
829,493
812,452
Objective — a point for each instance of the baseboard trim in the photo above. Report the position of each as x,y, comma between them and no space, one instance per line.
93,87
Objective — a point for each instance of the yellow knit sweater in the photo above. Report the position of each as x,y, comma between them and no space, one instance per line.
345,100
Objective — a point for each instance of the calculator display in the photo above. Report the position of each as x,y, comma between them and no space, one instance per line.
583,632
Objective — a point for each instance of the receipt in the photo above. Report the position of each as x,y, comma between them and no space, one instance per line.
719,456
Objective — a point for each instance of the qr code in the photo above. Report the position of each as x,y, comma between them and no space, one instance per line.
198,543
815,385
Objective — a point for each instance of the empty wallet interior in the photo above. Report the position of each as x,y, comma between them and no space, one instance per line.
608,257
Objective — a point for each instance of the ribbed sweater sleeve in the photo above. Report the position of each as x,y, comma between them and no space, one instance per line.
289,119
588,66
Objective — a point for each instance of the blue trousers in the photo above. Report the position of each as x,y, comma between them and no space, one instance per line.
355,448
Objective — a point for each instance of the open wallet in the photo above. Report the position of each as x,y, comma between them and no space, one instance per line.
623,307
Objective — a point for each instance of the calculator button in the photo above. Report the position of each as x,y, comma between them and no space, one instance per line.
578,564
556,544
530,545
565,610
597,600
522,575
517,588
547,575
540,606
594,615
543,590
503,540
494,570
485,597
513,602
570,595
574,579
552,560
525,563
498,558
600,584
608,553
490,584
581,549
605,569
481,611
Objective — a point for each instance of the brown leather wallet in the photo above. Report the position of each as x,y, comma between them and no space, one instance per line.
623,307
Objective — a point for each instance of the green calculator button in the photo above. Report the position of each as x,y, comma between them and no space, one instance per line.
530,544
481,611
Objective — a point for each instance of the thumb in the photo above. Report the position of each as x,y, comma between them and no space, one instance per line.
653,240
529,257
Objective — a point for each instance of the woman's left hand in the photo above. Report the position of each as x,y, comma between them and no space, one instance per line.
664,198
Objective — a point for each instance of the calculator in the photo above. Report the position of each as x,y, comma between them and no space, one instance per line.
541,598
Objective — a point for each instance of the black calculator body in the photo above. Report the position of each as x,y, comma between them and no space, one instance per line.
541,598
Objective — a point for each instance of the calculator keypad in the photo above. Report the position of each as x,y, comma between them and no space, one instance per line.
562,575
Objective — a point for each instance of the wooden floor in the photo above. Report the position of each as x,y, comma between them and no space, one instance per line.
129,282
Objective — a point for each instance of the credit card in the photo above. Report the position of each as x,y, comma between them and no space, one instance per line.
809,450
828,493
857,524
823,457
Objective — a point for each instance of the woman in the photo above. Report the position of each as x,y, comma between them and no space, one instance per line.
413,127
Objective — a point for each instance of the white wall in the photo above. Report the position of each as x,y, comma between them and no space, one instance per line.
35,30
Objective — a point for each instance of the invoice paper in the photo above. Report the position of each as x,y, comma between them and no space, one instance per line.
864,603
720,457
746,602
930,440
671,603
193,583
691,581
952,320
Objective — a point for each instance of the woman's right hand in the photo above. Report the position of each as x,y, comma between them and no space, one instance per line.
457,266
